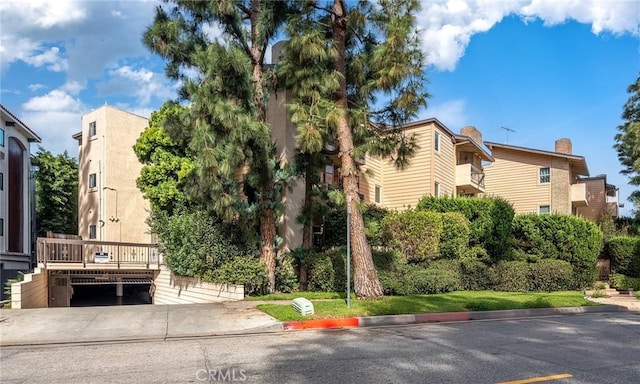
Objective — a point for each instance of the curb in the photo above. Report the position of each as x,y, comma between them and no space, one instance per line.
422,318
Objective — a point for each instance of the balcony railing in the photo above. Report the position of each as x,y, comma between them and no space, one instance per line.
95,253
470,176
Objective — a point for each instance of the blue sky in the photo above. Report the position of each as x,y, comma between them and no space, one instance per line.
544,68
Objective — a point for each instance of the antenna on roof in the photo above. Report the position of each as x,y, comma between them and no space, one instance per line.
508,130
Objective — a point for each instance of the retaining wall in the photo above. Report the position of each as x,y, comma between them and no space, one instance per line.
172,289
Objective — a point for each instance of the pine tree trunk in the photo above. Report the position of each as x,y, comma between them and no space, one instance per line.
366,283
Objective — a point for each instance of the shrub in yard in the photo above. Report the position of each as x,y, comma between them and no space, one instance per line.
286,277
511,276
335,225
419,281
245,270
624,253
563,237
454,240
489,220
475,275
619,281
551,275
414,233
321,273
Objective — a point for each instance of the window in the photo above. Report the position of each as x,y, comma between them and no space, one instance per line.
92,129
436,142
1,137
436,189
92,232
545,175
378,195
1,227
1,181
92,180
544,210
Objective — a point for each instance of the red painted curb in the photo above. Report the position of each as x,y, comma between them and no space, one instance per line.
322,323
445,316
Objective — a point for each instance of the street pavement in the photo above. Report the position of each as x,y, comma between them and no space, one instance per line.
162,322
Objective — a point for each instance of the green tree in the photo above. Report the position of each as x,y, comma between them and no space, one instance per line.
56,192
628,140
167,163
356,74
226,82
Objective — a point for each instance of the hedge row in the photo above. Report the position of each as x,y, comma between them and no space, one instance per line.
624,253
563,237
327,272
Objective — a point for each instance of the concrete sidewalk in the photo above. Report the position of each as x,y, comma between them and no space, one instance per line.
130,322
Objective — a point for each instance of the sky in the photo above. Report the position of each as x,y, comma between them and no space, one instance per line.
544,69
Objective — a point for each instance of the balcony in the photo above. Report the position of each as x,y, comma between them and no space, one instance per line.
579,195
65,254
469,179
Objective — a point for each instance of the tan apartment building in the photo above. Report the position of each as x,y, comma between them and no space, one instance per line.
110,205
538,181
444,164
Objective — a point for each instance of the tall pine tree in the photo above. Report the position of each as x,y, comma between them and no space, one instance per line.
225,81
355,73
628,141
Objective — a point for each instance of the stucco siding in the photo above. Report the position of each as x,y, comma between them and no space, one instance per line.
596,199
33,292
171,289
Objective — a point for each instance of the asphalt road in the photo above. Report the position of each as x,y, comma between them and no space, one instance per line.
593,348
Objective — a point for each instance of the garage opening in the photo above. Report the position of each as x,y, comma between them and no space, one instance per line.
97,288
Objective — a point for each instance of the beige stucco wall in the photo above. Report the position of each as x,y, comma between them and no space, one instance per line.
33,292
171,289
560,186
596,199
109,154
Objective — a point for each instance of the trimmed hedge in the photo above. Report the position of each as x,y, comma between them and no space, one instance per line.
551,275
624,282
335,225
489,220
624,253
563,237
454,240
414,233
511,276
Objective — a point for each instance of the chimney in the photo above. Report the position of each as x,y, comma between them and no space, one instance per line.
473,133
563,146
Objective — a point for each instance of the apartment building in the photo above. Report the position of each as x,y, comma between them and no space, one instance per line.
17,198
444,164
110,206
538,181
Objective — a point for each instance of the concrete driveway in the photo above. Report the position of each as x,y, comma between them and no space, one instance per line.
131,322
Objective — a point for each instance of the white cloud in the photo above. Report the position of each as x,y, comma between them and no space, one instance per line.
55,101
141,83
50,58
56,129
448,25
451,113
35,87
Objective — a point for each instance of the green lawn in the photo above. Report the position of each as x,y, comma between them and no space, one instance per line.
447,302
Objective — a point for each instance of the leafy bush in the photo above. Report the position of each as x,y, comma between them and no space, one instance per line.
245,270
454,240
489,220
194,243
321,273
563,237
620,281
551,275
434,279
335,225
286,277
511,276
624,253
415,234
475,275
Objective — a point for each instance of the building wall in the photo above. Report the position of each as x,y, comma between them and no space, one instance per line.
515,176
15,219
171,289
115,205
596,199
560,186
33,292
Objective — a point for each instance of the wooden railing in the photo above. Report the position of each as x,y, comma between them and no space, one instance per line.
96,252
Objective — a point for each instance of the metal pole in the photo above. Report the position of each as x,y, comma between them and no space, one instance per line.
349,252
